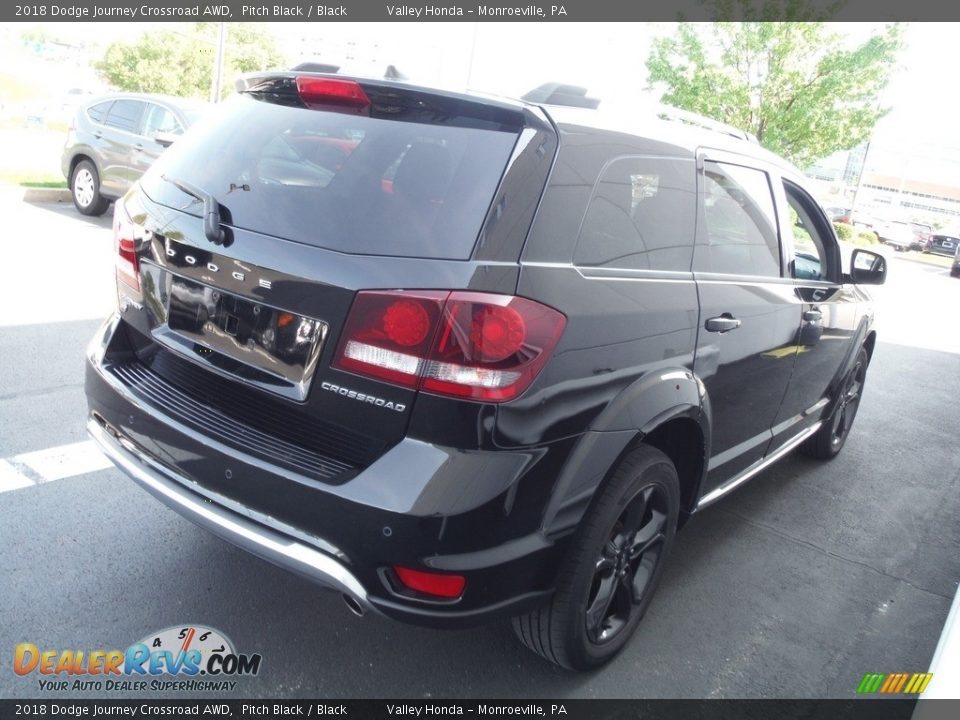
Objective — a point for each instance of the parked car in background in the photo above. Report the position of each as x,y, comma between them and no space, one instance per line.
114,139
839,214
942,245
903,235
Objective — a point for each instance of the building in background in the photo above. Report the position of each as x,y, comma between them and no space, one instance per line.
894,179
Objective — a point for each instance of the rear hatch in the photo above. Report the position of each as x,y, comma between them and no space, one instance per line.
249,239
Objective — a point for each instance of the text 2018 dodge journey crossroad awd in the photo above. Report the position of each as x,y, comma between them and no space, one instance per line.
463,359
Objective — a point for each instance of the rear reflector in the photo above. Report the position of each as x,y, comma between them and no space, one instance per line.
443,586
128,264
321,93
478,346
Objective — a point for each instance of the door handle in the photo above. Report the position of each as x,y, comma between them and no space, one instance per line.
722,324
138,146
812,315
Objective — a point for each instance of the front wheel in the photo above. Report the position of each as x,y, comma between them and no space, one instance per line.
613,567
830,438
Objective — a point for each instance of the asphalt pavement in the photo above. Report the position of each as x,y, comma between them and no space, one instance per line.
797,585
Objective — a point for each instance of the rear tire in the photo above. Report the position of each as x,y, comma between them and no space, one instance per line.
613,567
829,440
85,189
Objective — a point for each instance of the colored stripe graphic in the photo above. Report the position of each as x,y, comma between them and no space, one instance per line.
871,682
894,683
891,679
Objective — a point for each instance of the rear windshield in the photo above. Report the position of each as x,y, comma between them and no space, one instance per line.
344,182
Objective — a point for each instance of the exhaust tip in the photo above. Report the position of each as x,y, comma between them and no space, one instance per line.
353,606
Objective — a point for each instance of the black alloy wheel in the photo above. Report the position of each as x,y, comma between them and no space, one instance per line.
827,442
613,567
627,564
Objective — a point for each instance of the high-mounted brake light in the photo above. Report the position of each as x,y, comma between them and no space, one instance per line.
128,264
322,93
478,346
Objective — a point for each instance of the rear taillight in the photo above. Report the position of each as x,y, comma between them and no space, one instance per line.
128,264
466,344
388,335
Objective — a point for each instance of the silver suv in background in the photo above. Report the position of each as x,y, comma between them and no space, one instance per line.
114,139
903,235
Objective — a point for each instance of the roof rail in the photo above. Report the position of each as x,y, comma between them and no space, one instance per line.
560,94
675,114
575,96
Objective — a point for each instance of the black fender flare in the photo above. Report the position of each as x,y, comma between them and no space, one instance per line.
643,406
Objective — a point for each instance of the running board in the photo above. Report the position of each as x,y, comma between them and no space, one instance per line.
717,493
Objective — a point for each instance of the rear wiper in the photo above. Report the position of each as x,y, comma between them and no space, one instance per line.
211,210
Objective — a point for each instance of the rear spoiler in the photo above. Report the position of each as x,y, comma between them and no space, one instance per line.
381,99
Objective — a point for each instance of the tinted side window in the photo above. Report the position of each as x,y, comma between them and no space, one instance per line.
125,115
642,216
160,120
741,226
96,112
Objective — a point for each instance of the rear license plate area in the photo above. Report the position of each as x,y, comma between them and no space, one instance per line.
272,348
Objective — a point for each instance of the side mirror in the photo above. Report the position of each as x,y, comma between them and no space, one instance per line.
868,268
165,138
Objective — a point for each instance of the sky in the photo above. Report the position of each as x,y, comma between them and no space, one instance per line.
608,59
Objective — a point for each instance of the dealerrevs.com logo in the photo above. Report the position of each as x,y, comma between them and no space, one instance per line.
201,658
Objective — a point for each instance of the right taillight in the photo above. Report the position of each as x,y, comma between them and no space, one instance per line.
128,264
473,345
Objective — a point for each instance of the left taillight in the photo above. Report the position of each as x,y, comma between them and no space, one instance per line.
478,346
128,264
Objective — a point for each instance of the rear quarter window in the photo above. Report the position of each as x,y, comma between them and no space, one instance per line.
344,182
98,112
642,215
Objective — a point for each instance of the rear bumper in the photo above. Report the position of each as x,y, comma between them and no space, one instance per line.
236,525
419,505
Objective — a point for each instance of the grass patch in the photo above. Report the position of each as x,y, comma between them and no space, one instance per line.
44,184
41,124
25,178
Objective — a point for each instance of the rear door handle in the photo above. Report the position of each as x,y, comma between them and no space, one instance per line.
722,324
812,315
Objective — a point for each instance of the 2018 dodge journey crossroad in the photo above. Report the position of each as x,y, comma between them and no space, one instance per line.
463,359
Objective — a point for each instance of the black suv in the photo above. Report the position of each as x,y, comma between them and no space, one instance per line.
463,359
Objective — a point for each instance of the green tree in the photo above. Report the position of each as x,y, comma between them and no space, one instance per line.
176,62
792,84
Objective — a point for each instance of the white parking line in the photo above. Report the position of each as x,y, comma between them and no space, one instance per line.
56,463
10,479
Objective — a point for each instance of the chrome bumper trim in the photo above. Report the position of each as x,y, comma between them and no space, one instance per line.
254,537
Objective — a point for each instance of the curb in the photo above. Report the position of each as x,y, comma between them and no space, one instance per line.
45,195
